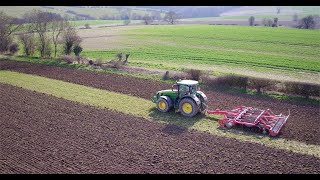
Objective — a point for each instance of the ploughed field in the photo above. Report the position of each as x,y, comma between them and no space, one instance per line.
45,134
303,124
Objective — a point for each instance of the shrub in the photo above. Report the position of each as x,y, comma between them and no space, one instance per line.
308,22
251,20
13,48
194,74
126,22
87,26
166,76
68,59
98,62
83,60
302,89
116,64
261,84
232,81
177,76
119,55
69,39
208,80
127,56
77,50
126,61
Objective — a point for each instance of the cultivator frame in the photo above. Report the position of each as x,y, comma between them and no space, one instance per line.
265,120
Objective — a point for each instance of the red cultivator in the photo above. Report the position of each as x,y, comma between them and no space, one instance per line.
265,120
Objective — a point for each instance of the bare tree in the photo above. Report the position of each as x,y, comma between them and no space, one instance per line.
40,23
8,25
46,49
295,18
70,38
264,21
171,17
308,22
278,10
275,22
269,22
57,26
251,20
147,19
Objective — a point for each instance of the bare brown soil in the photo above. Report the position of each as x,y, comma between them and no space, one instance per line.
303,123
45,134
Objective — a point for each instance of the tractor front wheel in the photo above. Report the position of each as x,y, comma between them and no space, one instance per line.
163,105
188,107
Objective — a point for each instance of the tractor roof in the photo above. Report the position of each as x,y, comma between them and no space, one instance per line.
187,82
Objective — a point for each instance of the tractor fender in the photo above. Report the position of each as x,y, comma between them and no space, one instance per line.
203,95
168,99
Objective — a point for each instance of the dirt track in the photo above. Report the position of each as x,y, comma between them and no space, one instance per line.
45,134
303,124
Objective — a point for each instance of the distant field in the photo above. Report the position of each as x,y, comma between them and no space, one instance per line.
244,17
204,45
272,10
102,22
19,11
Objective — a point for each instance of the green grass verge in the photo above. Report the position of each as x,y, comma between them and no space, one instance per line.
143,108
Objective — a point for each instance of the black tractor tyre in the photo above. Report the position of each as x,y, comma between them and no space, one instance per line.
194,106
160,107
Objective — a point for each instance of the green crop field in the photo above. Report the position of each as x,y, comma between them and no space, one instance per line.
173,47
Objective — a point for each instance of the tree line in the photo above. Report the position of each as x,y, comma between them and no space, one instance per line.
170,17
38,30
307,22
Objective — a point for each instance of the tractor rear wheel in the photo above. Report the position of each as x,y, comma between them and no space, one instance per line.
163,105
188,107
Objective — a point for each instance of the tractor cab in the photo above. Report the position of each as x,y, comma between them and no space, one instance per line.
187,88
184,96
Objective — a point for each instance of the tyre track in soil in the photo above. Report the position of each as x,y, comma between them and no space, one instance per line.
303,124
45,134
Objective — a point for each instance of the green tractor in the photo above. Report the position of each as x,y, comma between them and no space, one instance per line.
185,96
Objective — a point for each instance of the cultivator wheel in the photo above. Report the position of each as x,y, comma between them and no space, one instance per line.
222,122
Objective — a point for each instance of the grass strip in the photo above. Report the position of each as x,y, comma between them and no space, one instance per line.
143,108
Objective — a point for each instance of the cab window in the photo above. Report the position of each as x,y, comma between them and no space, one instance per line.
193,89
183,88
